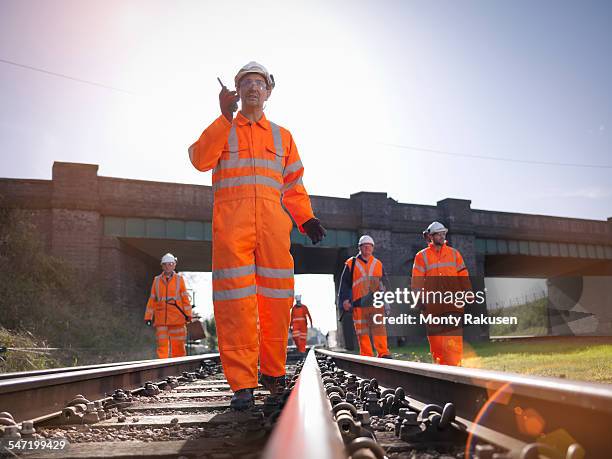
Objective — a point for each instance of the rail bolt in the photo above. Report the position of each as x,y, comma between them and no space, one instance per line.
27,429
91,415
365,448
11,433
349,428
6,419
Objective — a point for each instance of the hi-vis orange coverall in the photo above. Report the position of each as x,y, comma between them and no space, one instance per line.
442,271
299,313
168,306
367,280
256,167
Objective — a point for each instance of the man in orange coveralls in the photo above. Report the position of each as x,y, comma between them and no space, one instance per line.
169,309
440,268
299,327
256,171
362,276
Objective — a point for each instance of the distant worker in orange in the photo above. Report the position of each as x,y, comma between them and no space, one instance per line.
440,268
169,309
363,276
299,327
257,174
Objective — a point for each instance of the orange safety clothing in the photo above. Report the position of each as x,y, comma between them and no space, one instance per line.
367,279
169,307
299,314
442,271
256,172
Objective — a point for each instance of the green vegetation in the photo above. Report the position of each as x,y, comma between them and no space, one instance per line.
579,359
45,298
29,357
532,319
211,333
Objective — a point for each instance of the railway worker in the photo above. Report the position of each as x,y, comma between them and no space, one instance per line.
299,327
169,309
440,268
256,172
362,276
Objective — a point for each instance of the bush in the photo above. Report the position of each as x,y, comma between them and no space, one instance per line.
45,296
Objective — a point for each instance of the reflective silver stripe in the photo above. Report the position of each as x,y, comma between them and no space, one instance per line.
461,267
234,294
275,292
278,140
424,252
288,186
372,266
191,151
419,268
162,337
275,273
232,141
361,270
162,328
293,167
299,318
157,287
442,265
249,162
228,273
246,180
178,286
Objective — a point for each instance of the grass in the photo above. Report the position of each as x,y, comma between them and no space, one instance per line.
572,359
21,360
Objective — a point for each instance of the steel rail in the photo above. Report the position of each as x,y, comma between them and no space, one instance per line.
37,396
50,371
305,428
519,407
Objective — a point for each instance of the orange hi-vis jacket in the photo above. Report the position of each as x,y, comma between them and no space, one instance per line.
168,298
253,160
299,314
257,174
440,271
366,279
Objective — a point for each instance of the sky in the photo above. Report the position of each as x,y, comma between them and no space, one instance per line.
412,98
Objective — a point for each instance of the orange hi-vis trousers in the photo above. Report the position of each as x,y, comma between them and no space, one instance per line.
173,337
446,350
364,324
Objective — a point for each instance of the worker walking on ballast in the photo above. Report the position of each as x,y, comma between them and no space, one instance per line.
440,268
256,172
169,309
299,326
362,277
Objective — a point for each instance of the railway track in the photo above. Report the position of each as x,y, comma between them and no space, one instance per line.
337,405
423,410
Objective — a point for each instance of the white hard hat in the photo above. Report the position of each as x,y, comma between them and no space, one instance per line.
298,297
365,239
254,67
436,227
169,258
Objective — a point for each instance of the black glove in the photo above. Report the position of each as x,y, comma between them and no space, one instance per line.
228,101
314,230
148,323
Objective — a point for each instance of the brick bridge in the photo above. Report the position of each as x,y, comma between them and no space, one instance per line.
99,222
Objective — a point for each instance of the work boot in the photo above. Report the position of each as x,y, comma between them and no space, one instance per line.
388,356
242,399
275,384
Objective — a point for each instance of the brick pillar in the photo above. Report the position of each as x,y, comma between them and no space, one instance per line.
456,215
76,223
